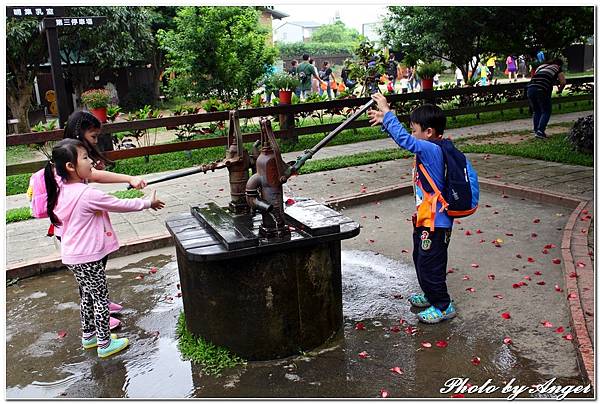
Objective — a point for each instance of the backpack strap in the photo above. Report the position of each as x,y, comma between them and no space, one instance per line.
436,191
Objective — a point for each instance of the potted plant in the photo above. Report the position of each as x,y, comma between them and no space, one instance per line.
286,84
426,71
96,100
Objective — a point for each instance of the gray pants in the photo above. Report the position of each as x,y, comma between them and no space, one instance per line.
93,292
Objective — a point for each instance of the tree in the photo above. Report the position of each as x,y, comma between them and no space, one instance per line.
161,18
335,33
124,39
217,51
462,35
25,51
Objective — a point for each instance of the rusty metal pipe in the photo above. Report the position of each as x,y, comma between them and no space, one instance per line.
253,196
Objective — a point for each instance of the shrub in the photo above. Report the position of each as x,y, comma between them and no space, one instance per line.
138,96
297,49
283,81
581,135
97,98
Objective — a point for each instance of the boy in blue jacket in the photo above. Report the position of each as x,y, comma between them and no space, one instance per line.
432,226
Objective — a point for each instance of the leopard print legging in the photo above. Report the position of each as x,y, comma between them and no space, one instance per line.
93,292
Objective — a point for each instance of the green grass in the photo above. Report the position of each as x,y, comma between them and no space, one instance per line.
20,214
16,154
213,359
17,184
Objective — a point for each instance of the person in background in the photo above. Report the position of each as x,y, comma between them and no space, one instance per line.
404,84
511,67
539,94
315,80
540,56
458,76
326,74
293,70
306,73
491,65
392,69
522,66
436,80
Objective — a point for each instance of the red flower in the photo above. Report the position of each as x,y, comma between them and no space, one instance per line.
505,315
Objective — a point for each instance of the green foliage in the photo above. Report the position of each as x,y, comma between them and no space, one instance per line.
138,96
297,49
334,33
112,112
96,98
217,51
429,69
283,81
213,359
18,214
43,127
369,63
581,135
142,136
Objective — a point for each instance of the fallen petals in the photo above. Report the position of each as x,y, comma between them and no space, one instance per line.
476,361
544,251
404,251
396,369
537,273
499,296
519,256
516,285
527,277
474,265
457,395
363,355
533,235
441,344
153,270
371,241
505,315
530,259
410,330
426,344
468,233
470,290
560,330
507,341
580,264
478,231
457,221
360,326
541,283
491,276
290,202
395,328
568,337
466,278
558,288
547,324
61,334
572,296
573,275
509,234
450,271
383,393
556,261
139,277
549,246
536,220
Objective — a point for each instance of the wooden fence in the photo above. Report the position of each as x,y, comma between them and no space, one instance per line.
286,112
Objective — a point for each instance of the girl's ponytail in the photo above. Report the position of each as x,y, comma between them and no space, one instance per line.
52,191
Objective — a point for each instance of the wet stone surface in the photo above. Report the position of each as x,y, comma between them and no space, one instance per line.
377,278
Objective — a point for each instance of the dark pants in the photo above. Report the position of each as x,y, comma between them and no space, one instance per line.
430,255
541,104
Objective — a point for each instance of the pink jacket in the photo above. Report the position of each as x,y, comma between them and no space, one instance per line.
87,234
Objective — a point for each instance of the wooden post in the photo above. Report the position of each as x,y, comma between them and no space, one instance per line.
287,122
57,76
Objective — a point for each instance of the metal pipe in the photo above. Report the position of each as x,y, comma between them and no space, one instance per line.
173,176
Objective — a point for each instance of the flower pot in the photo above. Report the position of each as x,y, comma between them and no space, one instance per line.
426,84
99,113
285,96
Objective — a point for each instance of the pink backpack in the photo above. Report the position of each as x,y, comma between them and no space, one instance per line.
37,195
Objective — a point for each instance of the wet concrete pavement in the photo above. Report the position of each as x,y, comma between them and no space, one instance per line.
377,277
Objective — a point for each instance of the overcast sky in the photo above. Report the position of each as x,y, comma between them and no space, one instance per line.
353,15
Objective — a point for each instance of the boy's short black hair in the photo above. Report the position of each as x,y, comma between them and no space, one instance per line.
429,116
305,56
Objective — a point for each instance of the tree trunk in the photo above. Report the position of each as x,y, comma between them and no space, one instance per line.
19,101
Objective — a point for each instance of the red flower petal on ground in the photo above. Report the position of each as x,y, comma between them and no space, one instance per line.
572,296
363,355
556,260
441,344
466,278
482,240
527,277
395,328
580,264
491,276
519,256
371,241
516,285
478,231
457,221
547,324
457,395
549,246
544,251
396,369
541,283
153,270
499,296
558,288
509,234
585,211
560,329
450,271
404,251
537,273
474,265
360,326
468,233
402,321
410,330
139,277
426,344
573,275
507,341
476,360
536,220
61,334
505,315
530,259
470,289
290,202
534,235
383,393
568,337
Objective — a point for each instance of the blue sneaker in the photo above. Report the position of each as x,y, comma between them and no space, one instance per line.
116,345
93,342
418,300
434,315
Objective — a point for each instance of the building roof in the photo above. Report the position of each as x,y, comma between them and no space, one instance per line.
303,24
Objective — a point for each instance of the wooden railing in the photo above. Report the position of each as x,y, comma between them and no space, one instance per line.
288,130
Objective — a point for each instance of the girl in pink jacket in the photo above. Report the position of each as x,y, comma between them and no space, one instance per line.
87,236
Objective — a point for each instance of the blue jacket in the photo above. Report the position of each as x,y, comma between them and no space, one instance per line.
429,154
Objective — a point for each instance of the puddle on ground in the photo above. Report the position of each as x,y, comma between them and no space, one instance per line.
42,365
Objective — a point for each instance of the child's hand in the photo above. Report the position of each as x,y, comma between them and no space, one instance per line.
137,182
99,165
382,104
156,203
375,117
